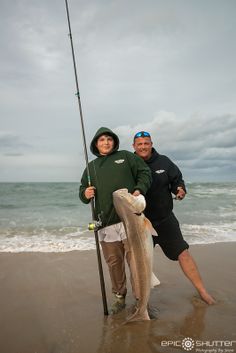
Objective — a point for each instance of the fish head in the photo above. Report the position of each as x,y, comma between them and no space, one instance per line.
126,202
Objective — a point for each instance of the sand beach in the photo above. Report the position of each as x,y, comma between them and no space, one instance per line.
51,303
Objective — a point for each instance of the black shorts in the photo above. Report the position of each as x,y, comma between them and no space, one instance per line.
170,237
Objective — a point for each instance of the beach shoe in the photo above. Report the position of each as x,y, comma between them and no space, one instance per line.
119,304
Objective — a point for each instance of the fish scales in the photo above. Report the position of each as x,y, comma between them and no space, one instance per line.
138,231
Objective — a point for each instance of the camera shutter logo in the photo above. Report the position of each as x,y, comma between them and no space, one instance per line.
188,344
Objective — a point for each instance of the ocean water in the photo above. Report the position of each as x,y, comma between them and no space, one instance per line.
49,217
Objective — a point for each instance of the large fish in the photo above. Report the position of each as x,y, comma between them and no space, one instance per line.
139,234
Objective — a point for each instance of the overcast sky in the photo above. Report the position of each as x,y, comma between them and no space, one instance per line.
165,66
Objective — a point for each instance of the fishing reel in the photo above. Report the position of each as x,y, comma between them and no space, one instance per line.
95,225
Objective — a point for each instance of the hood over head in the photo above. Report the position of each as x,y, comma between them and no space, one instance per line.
100,132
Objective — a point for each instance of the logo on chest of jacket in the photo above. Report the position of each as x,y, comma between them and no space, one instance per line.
160,171
119,161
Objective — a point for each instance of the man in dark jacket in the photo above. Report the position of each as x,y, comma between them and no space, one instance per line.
167,179
110,171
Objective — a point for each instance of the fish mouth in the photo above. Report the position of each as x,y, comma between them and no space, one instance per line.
138,203
121,192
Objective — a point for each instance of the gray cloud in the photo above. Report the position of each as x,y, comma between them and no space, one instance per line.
11,144
167,66
191,145
13,154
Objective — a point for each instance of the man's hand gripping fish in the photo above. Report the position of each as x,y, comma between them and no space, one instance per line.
139,234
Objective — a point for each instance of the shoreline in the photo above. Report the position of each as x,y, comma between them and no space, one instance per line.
51,302
82,240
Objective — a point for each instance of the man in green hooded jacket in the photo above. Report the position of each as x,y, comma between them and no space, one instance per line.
110,171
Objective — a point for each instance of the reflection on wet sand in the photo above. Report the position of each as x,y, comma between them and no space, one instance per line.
51,303
148,336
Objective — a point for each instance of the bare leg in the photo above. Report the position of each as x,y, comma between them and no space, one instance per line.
190,270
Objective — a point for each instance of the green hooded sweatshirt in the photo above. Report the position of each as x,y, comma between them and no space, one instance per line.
117,170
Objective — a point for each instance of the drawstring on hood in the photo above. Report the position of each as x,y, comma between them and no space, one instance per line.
100,132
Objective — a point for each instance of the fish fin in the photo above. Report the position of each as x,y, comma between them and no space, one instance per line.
154,281
138,316
148,224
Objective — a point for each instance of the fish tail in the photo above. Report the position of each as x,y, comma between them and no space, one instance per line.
138,315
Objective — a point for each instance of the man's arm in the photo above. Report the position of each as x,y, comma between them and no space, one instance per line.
177,185
141,173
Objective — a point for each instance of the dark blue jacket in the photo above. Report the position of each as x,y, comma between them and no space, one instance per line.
166,177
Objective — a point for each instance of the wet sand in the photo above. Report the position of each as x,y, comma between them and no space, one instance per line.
51,303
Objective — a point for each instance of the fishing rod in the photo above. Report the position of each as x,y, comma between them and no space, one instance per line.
101,276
